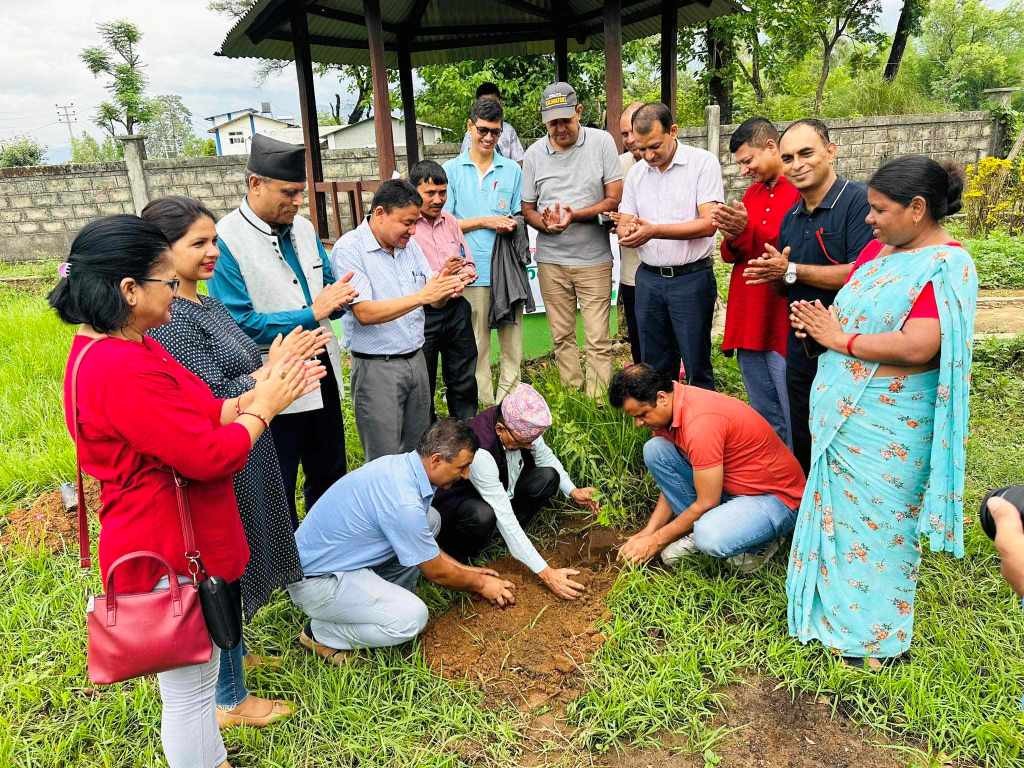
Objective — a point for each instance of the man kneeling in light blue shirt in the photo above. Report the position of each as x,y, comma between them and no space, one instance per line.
364,544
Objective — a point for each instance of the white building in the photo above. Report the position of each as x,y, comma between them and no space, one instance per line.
233,131
361,134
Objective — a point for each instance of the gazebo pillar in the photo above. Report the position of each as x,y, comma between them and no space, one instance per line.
412,148
307,107
669,37
562,53
613,68
381,99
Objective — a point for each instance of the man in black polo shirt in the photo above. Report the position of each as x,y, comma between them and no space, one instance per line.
821,237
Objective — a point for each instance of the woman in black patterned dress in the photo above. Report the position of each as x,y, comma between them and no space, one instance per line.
204,338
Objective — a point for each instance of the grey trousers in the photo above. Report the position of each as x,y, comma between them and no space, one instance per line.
369,608
391,399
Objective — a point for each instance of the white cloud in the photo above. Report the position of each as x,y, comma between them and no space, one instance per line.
39,65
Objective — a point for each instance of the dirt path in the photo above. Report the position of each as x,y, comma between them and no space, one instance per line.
1000,312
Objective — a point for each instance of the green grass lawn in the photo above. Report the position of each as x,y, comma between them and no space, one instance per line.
674,639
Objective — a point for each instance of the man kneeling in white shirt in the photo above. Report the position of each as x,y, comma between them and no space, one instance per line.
512,477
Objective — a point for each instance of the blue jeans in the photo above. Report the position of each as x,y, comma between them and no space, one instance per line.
673,316
764,376
739,524
231,690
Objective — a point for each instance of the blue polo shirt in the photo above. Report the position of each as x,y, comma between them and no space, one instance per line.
498,193
833,233
378,274
377,512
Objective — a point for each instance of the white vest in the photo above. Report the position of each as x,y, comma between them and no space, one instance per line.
271,282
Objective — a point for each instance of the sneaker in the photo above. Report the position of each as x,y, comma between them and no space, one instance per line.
678,549
750,562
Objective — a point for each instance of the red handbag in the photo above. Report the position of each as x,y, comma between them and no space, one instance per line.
139,633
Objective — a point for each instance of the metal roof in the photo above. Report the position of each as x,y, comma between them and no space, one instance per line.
447,31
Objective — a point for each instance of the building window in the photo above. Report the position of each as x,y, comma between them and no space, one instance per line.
236,137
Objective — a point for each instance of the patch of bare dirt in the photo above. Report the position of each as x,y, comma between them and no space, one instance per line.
767,728
46,523
529,654
1002,317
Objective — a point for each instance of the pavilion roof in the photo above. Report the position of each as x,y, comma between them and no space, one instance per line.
447,31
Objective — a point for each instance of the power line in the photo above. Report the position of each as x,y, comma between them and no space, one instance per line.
68,117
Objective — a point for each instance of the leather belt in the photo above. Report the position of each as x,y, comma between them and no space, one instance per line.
399,356
685,269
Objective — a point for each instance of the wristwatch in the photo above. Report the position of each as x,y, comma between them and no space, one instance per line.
790,277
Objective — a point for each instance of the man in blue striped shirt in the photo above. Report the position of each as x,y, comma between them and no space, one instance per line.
384,326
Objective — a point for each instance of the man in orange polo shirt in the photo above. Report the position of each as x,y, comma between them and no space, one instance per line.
730,487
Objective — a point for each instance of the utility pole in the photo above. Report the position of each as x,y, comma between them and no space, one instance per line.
66,114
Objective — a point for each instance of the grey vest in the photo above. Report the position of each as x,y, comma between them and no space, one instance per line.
270,281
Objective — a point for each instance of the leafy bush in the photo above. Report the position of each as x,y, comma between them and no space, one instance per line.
994,196
999,259
23,150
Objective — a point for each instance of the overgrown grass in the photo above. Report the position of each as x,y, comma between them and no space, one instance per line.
674,639
33,349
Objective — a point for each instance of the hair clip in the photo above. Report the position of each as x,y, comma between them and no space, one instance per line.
64,269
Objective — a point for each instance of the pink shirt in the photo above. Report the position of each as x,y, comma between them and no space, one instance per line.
440,239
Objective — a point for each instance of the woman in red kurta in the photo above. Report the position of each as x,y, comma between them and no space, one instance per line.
142,415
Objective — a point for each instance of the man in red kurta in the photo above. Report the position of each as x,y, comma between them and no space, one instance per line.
757,316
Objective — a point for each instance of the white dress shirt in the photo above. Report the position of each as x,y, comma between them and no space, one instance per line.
672,196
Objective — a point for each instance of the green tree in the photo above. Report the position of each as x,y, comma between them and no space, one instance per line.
911,15
118,58
832,21
21,150
968,47
196,146
88,150
169,128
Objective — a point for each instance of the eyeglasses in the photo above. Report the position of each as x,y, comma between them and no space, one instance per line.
495,132
172,284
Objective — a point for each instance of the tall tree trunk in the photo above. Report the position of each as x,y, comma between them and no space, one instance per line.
336,108
720,83
819,93
899,40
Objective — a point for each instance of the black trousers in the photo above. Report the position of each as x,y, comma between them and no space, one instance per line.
448,333
468,526
674,316
628,295
799,378
315,438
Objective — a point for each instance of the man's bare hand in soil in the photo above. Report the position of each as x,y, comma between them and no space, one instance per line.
559,582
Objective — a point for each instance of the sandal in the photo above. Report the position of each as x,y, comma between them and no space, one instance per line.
335,656
254,661
279,709
873,663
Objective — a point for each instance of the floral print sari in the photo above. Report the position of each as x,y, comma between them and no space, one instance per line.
887,462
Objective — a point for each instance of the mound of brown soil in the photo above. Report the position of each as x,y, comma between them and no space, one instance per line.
46,523
528,653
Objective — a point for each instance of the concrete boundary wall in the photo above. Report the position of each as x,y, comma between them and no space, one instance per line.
42,207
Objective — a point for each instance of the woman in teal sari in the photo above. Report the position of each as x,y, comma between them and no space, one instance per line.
889,410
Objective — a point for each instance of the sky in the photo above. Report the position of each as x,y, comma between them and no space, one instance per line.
40,68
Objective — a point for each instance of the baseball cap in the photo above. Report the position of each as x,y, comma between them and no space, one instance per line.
558,102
